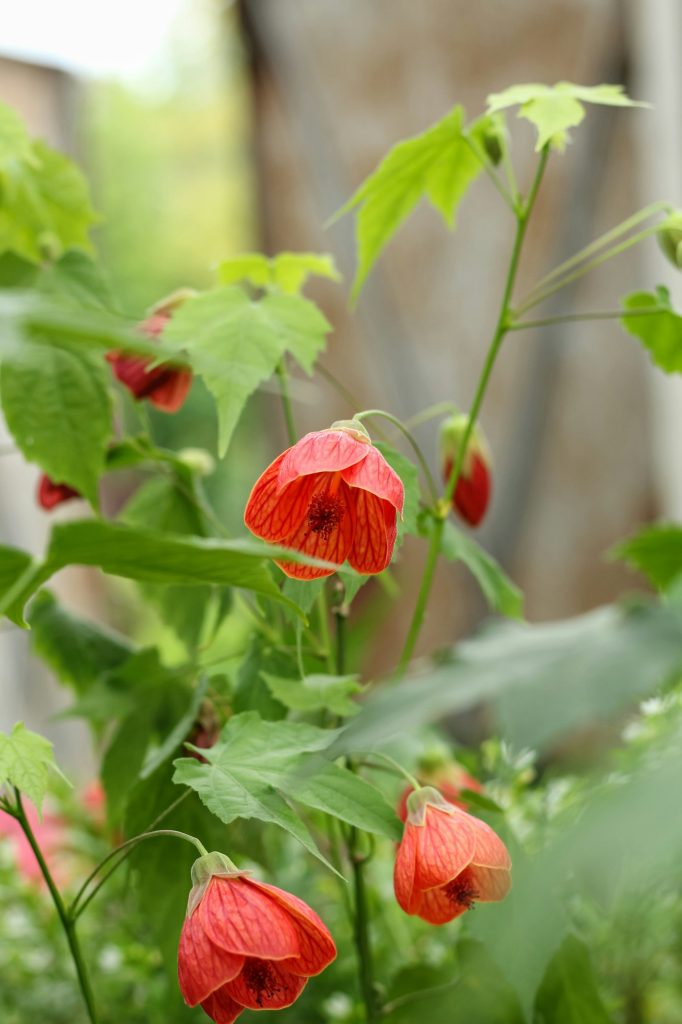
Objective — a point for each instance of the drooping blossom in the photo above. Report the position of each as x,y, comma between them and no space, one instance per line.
447,860
449,778
166,386
332,496
474,485
245,944
51,494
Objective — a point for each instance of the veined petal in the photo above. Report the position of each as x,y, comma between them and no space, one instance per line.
202,966
436,907
491,884
445,845
271,514
323,451
241,919
170,389
266,985
221,1007
404,871
490,851
373,536
375,475
316,944
331,542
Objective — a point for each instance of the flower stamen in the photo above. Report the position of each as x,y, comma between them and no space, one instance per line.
325,512
461,892
260,980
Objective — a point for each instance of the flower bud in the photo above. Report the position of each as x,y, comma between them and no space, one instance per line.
472,492
51,494
670,239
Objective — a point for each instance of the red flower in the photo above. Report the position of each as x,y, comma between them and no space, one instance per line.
51,494
245,944
332,496
165,386
449,778
474,486
447,860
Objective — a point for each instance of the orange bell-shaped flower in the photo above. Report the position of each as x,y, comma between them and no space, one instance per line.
447,860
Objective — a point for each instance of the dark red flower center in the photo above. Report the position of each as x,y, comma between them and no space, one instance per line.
461,892
325,512
260,979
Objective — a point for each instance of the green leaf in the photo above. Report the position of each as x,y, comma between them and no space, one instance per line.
236,343
14,564
257,763
25,761
541,681
656,551
58,408
438,165
15,144
568,993
502,595
553,109
659,332
44,205
409,474
76,280
287,271
79,652
123,761
316,693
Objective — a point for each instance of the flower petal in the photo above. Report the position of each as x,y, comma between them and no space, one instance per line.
404,871
375,475
323,451
202,966
316,944
436,907
491,884
490,851
332,545
221,1007
445,845
239,918
266,985
170,389
273,514
373,536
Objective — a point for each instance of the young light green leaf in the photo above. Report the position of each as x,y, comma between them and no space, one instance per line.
15,144
235,343
288,271
58,409
553,109
76,280
502,595
25,761
315,693
568,993
659,331
656,551
439,165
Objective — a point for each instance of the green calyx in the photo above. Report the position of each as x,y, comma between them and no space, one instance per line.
670,239
203,870
353,427
420,799
452,433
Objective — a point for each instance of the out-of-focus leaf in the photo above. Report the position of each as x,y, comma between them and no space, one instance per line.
656,551
25,762
409,474
553,109
287,271
14,564
659,331
502,595
568,993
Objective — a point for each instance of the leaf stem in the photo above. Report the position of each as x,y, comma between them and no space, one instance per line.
67,921
490,171
286,402
503,321
126,848
567,318
406,433
323,612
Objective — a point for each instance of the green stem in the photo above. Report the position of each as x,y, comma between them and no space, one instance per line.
538,296
567,318
67,921
501,329
398,769
323,612
406,433
361,931
603,240
286,402
430,413
125,848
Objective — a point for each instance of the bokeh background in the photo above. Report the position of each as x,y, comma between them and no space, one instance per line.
209,128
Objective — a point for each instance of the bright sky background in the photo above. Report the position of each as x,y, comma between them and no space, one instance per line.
121,37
